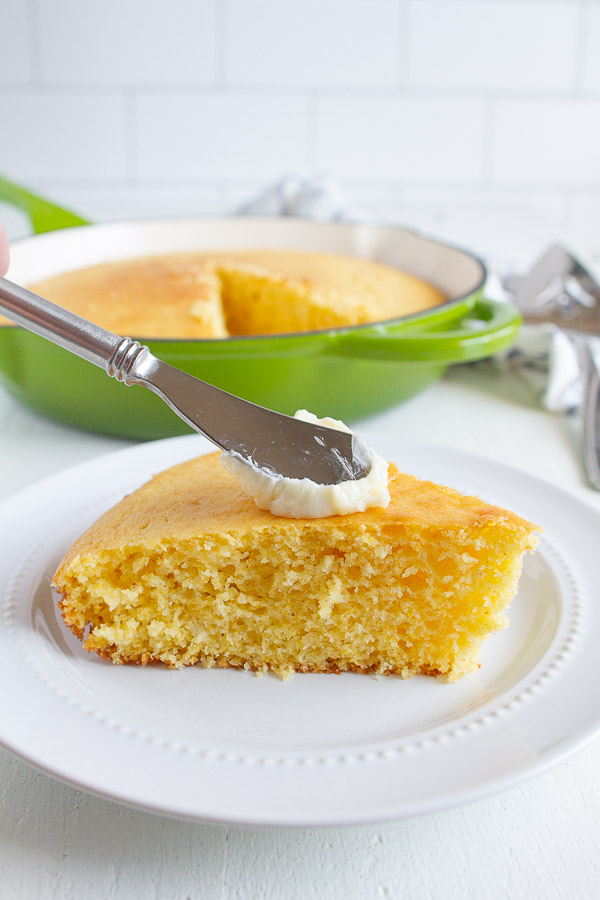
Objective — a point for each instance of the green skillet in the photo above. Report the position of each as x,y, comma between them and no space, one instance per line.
347,373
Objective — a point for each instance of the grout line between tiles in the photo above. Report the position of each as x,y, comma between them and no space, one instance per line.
35,42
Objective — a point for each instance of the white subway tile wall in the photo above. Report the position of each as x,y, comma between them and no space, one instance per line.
136,42
15,42
405,139
547,142
64,136
314,43
591,56
513,45
218,135
461,117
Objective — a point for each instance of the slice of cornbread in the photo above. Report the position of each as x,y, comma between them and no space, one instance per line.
188,570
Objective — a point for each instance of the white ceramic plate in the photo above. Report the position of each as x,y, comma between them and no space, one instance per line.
226,746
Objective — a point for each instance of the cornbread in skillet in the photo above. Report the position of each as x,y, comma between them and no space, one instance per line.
159,296
268,292
215,295
187,570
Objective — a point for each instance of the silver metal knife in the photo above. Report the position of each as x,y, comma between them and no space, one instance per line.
282,444
559,290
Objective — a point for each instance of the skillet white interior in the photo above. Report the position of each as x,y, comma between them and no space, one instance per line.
455,272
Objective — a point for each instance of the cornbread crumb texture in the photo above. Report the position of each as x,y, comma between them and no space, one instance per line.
187,570
215,295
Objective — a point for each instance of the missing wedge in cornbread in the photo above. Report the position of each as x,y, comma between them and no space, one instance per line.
188,571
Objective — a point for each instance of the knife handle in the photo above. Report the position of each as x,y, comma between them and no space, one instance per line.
120,357
590,356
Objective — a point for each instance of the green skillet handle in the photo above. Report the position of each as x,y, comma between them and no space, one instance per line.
43,214
487,327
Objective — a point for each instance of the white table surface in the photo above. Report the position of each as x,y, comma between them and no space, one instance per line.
541,839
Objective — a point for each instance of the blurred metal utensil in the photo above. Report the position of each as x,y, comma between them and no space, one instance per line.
558,290
286,446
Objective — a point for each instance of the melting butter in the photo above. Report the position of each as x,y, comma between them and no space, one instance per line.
301,498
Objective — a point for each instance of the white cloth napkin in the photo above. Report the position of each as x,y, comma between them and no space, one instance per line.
543,355
319,197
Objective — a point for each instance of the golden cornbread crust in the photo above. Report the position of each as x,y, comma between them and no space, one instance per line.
187,570
238,292
218,663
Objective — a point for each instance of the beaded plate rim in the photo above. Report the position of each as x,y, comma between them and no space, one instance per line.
379,782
